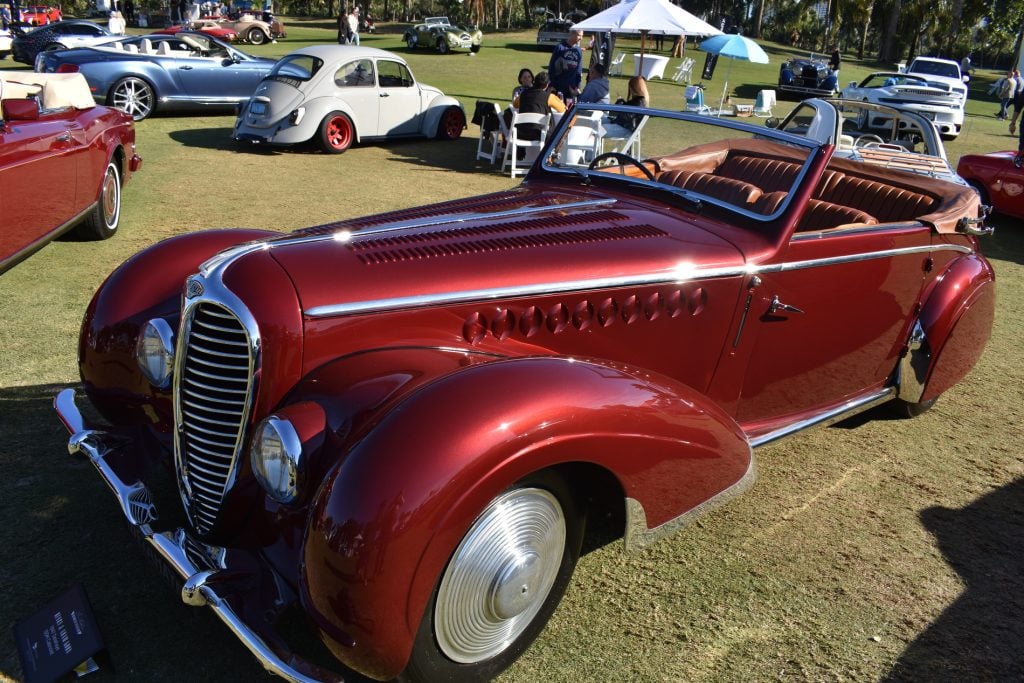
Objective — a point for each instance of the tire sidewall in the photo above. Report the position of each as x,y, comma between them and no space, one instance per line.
324,139
443,131
97,226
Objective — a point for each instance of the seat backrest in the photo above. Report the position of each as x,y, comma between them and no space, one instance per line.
771,175
535,121
163,48
821,215
145,46
131,48
694,95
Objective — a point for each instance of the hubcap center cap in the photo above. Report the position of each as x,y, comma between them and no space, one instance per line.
515,585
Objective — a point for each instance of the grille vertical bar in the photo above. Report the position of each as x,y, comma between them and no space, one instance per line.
213,394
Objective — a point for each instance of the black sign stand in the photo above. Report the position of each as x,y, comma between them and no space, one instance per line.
59,638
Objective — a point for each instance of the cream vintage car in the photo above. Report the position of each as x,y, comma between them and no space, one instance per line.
336,95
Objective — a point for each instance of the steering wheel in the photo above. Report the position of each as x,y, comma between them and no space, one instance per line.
620,157
868,139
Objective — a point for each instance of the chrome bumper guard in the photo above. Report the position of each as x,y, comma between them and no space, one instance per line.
201,585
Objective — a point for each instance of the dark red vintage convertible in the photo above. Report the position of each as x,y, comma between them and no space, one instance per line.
398,426
53,135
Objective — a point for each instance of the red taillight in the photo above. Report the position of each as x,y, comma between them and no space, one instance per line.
67,69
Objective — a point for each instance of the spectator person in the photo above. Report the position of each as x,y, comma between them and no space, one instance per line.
1007,90
343,27
353,25
1018,105
597,85
833,61
636,96
566,65
525,82
537,100
5,17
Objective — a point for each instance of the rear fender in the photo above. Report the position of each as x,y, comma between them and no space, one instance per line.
951,331
317,109
437,107
385,522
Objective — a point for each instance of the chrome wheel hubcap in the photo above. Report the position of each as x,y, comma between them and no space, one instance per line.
500,575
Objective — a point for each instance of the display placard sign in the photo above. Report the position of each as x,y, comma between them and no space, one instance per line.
58,638
709,66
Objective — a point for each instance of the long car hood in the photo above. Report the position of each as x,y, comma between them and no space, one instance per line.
493,246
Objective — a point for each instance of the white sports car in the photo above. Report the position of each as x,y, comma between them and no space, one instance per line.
336,95
935,101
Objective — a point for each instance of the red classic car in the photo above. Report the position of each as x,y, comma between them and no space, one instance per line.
41,15
214,28
398,426
53,135
997,180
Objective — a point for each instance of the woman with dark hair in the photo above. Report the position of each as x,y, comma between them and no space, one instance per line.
525,82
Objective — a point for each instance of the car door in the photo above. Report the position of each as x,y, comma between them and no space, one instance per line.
38,175
355,83
830,316
400,107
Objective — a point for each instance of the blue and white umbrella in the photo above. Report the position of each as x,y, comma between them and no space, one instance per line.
734,46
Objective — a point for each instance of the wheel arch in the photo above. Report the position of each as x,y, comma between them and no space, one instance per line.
417,481
435,110
317,109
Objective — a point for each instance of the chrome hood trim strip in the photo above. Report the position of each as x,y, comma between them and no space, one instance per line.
678,275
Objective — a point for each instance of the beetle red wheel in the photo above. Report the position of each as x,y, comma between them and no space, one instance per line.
453,121
336,133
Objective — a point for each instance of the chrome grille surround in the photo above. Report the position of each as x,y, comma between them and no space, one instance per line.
216,365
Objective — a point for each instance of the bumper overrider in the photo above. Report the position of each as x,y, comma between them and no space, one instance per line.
224,581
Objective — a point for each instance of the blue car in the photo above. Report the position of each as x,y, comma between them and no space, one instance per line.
187,71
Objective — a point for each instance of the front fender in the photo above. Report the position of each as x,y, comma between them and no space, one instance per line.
953,328
385,521
435,109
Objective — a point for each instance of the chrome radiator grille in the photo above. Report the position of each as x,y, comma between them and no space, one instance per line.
214,386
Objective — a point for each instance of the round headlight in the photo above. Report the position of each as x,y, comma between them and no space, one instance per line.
154,352
276,457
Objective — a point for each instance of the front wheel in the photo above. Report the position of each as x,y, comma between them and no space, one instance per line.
442,46
501,584
133,96
256,36
474,48
101,223
336,133
410,42
906,409
452,122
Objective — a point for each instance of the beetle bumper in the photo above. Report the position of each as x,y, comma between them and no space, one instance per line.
222,581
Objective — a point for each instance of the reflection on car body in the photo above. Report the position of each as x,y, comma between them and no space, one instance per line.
934,101
397,425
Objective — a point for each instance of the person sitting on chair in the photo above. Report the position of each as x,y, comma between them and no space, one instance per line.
537,100
597,85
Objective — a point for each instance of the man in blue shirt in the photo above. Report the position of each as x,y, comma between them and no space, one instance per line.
566,65
597,85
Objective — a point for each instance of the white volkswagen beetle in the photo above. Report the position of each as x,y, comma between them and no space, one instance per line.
335,95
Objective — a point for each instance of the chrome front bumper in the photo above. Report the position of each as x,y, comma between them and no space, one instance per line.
203,586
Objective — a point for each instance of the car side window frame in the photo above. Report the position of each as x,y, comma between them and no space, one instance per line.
347,74
403,78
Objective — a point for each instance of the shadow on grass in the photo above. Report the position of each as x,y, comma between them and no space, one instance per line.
213,138
978,637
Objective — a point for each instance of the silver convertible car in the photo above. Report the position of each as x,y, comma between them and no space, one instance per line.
143,74
336,95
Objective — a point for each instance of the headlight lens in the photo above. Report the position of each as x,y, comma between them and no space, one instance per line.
154,352
276,457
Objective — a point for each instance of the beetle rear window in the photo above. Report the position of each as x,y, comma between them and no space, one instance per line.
296,68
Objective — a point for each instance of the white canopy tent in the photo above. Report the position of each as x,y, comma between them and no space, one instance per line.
656,17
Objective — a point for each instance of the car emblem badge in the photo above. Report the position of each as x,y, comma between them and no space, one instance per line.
194,289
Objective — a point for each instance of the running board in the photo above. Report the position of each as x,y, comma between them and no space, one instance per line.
829,417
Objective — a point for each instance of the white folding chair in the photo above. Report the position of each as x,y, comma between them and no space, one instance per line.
615,67
530,148
694,95
764,102
630,139
583,141
683,71
492,133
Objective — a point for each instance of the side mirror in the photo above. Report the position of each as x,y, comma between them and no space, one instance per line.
21,110
853,84
771,122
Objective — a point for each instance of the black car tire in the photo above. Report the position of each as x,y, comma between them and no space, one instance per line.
474,48
410,42
133,96
256,36
102,221
451,124
543,505
442,46
336,133
905,409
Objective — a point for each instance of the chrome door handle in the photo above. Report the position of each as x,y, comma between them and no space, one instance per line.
185,68
384,94
64,137
777,306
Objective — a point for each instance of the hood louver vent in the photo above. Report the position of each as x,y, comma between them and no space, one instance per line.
497,238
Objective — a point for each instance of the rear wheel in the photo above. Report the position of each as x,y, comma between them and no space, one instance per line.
442,46
256,36
102,221
501,584
336,133
410,42
452,122
133,96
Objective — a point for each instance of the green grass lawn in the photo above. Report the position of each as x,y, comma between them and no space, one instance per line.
876,549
